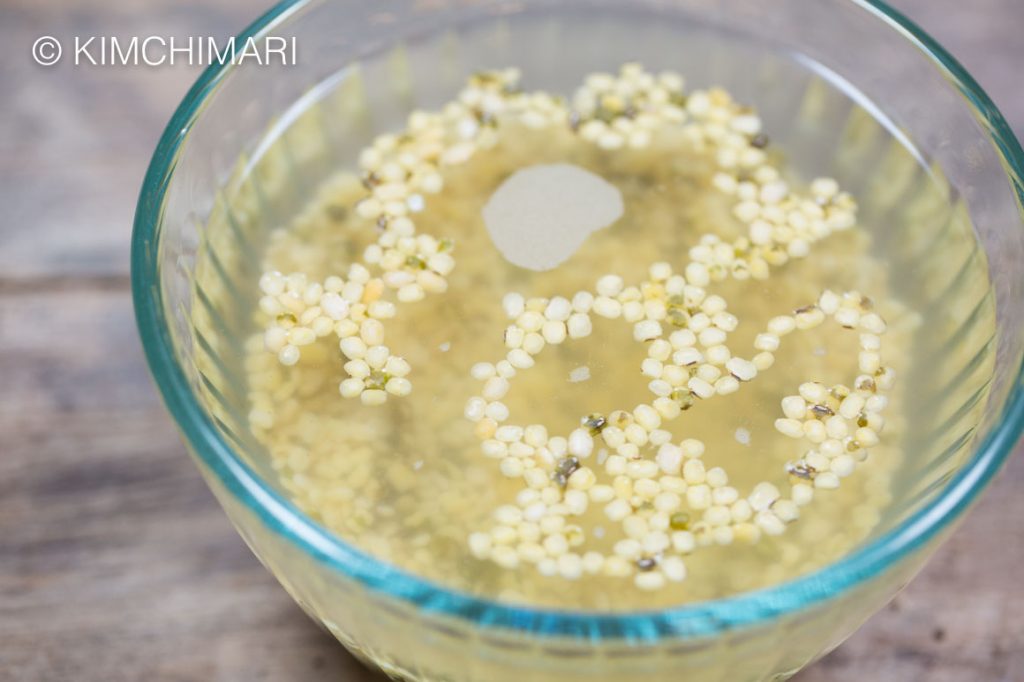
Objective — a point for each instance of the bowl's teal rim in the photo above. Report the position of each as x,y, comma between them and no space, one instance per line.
696,620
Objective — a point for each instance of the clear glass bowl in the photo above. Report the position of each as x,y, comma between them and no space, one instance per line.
248,146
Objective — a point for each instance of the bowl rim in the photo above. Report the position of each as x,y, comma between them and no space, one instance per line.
698,619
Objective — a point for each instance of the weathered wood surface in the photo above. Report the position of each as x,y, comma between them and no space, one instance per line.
115,561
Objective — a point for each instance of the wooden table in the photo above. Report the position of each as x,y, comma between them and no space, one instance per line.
115,561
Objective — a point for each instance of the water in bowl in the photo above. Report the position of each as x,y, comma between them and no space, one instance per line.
407,481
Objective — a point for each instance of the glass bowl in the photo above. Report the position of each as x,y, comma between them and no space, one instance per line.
249,144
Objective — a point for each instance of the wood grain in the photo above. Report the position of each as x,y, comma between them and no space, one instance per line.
115,561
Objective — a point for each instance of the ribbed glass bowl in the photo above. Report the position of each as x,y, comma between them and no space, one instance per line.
249,145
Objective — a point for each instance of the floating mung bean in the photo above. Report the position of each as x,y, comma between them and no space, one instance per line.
680,521
822,411
595,423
